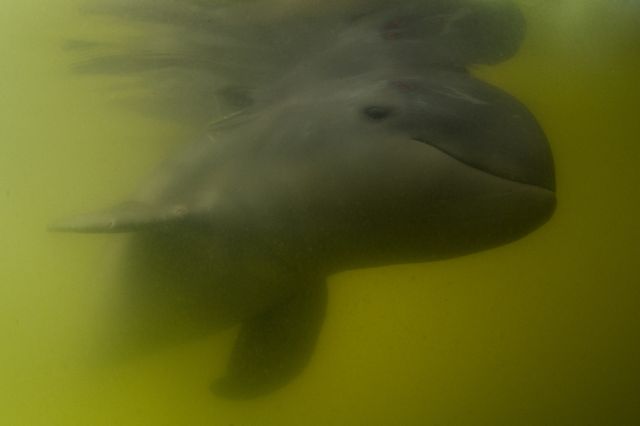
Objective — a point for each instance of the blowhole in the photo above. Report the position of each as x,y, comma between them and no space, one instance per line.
377,113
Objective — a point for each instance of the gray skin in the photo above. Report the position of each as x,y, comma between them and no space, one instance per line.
376,163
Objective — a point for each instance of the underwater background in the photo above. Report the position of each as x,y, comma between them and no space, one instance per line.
544,331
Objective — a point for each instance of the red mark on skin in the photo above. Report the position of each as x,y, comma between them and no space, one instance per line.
393,30
404,85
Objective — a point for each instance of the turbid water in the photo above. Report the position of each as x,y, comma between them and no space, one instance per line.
542,331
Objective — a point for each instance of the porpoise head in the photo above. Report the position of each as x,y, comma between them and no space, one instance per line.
389,167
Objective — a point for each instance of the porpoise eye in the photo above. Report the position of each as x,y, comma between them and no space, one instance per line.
377,113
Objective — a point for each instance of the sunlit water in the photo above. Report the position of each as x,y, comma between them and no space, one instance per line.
541,332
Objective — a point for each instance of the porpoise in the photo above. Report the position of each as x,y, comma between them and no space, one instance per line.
362,139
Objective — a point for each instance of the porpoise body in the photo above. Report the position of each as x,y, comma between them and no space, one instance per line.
375,147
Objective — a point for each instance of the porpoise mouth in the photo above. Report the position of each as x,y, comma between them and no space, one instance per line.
534,168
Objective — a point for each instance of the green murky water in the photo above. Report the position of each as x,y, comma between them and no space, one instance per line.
540,332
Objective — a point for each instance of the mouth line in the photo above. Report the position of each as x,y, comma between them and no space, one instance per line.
482,170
